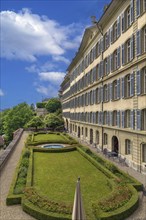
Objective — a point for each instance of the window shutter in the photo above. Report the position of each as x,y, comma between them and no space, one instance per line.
108,64
111,91
131,11
119,25
132,84
102,44
137,8
109,37
123,87
108,91
132,47
118,88
138,82
94,74
111,61
101,69
123,22
111,118
101,94
101,116
132,119
111,34
118,53
123,54
138,119
123,119
138,42
118,119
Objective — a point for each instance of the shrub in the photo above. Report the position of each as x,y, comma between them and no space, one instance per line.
21,181
22,172
25,162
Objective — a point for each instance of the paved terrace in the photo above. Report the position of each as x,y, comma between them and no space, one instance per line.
15,212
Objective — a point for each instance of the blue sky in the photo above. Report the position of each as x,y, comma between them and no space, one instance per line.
38,41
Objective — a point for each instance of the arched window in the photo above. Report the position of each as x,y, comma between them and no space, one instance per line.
128,147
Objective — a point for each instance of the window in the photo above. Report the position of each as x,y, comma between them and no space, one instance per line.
105,118
82,131
105,139
143,81
105,66
144,153
105,93
127,119
115,90
127,86
115,60
128,50
128,17
115,29
143,119
96,118
114,118
128,147
97,95
97,137
143,40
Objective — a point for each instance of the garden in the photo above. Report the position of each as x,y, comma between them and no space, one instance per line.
45,179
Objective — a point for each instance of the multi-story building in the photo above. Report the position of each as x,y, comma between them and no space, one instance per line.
104,91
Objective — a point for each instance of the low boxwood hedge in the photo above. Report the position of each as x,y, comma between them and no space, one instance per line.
126,178
120,213
19,180
55,150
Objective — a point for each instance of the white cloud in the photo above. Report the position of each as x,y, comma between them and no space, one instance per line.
52,77
26,36
62,59
49,91
1,92
37,67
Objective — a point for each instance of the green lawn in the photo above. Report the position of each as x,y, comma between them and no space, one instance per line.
55,176
49,137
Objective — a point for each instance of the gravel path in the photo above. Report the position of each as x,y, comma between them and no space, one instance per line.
11,212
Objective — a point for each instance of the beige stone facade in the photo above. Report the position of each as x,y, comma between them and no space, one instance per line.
104,92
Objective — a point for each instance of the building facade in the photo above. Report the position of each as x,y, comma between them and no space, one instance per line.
104,91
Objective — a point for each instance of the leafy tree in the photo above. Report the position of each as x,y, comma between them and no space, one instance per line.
53,105
2,119
40,104
16,118
53,121
35,122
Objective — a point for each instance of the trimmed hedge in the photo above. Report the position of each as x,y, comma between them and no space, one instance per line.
55,150
122,212
40,214
126,178
19,180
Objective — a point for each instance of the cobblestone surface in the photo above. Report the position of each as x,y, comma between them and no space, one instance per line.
11,212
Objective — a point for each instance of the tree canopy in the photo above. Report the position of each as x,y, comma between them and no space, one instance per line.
35,122
54,121
53,105
16,118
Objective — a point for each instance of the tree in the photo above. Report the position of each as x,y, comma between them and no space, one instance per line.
35,122
53,121
53,105
40,104
16,118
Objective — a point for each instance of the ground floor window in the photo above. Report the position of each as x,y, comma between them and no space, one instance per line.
144,153
82,130
128,146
